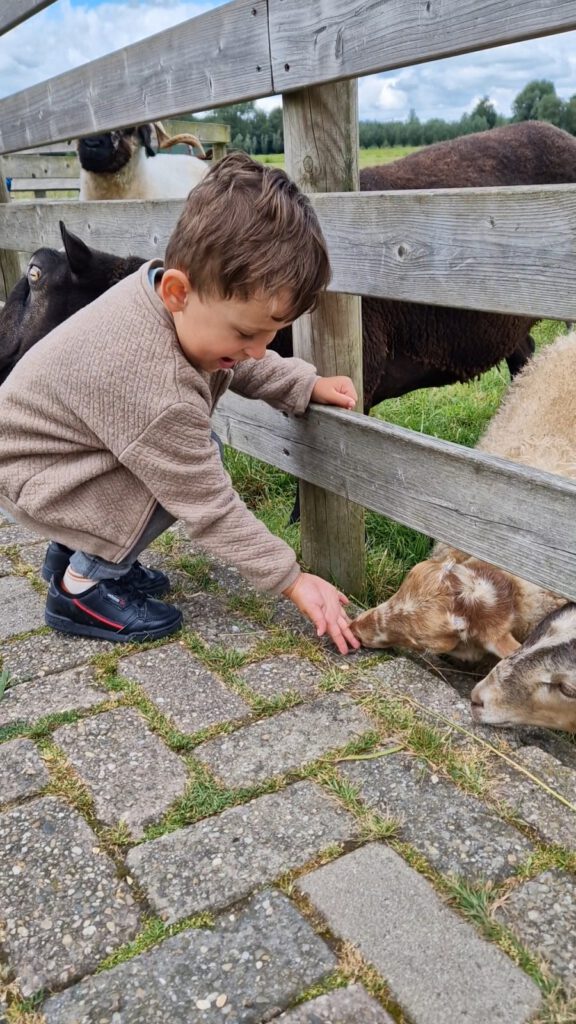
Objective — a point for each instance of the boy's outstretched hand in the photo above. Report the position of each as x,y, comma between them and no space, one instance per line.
322,604
335,391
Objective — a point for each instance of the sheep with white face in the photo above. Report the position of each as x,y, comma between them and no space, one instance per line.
537,684
122,164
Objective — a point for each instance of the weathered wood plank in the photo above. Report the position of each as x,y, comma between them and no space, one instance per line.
9,261
41,165
16,11
502,249
518,518
321,141
45,184
216,58
507,250
331,39
209,132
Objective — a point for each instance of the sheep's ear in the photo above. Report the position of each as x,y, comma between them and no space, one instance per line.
145,136
78,253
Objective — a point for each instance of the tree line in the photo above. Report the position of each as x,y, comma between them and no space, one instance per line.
256,131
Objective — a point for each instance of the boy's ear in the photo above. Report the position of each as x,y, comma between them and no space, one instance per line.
174,290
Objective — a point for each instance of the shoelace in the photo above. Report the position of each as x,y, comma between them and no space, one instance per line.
127,591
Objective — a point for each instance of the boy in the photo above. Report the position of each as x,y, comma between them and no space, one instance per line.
106,436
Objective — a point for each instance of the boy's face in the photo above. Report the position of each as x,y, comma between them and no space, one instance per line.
217,334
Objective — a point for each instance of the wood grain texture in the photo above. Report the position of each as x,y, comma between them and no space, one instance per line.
219,57
518,518
331,39
321,145
507,250
13,12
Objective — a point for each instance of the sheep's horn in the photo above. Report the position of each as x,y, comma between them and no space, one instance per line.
165,141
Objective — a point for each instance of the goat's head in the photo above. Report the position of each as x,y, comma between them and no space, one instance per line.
55,285
464,609
537,684
109,152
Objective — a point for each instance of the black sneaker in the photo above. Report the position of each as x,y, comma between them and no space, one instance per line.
110,610
151,582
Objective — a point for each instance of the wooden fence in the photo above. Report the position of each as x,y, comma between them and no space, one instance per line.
501,249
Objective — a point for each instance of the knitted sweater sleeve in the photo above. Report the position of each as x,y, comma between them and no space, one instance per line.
179,463
285,384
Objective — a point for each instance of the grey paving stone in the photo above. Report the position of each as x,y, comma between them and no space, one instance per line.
41,655
275,676
553,820
284,741
131,774
350,1005
22,608
22,772
34,554
62,906
6,568
438,968
12,533
226,857
403,677
457,833
64,691
187,693
542,912
245,970
208,615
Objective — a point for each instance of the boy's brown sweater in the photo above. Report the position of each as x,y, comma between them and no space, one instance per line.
105,417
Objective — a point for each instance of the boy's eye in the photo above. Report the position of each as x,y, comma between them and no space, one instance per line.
246,337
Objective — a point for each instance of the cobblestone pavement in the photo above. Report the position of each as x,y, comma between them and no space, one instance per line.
236,824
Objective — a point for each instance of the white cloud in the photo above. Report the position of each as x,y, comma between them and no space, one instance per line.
72,32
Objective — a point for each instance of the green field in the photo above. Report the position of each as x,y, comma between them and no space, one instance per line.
456,413
367,157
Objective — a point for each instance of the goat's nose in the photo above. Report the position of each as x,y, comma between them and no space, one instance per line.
94,141
476,700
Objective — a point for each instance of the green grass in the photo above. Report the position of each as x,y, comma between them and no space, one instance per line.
458,413
366,157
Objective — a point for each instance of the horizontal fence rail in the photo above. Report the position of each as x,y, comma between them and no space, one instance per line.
330,39
219,57
13,12
505,250
224,56
474,501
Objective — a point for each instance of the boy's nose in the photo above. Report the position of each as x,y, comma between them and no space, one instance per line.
257,349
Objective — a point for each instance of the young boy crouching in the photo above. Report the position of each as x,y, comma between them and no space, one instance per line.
106,433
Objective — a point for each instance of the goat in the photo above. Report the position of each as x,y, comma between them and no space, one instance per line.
537,684
118,165
55,285
455,603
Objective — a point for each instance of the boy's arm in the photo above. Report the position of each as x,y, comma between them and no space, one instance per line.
286,384
178,462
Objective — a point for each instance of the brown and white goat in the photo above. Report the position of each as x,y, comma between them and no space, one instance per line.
455,603
537,684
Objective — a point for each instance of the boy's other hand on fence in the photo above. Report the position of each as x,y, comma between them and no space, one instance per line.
335,391
322,603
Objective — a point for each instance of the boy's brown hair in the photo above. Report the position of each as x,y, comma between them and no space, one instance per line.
247,230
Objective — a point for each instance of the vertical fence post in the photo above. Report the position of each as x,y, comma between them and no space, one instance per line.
9,263
321,146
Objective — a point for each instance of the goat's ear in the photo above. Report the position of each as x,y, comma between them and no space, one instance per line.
502,646
145,135
78,253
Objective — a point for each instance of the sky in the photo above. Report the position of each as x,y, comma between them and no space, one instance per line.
71,32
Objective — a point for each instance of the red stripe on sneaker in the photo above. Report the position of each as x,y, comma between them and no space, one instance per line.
94,615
